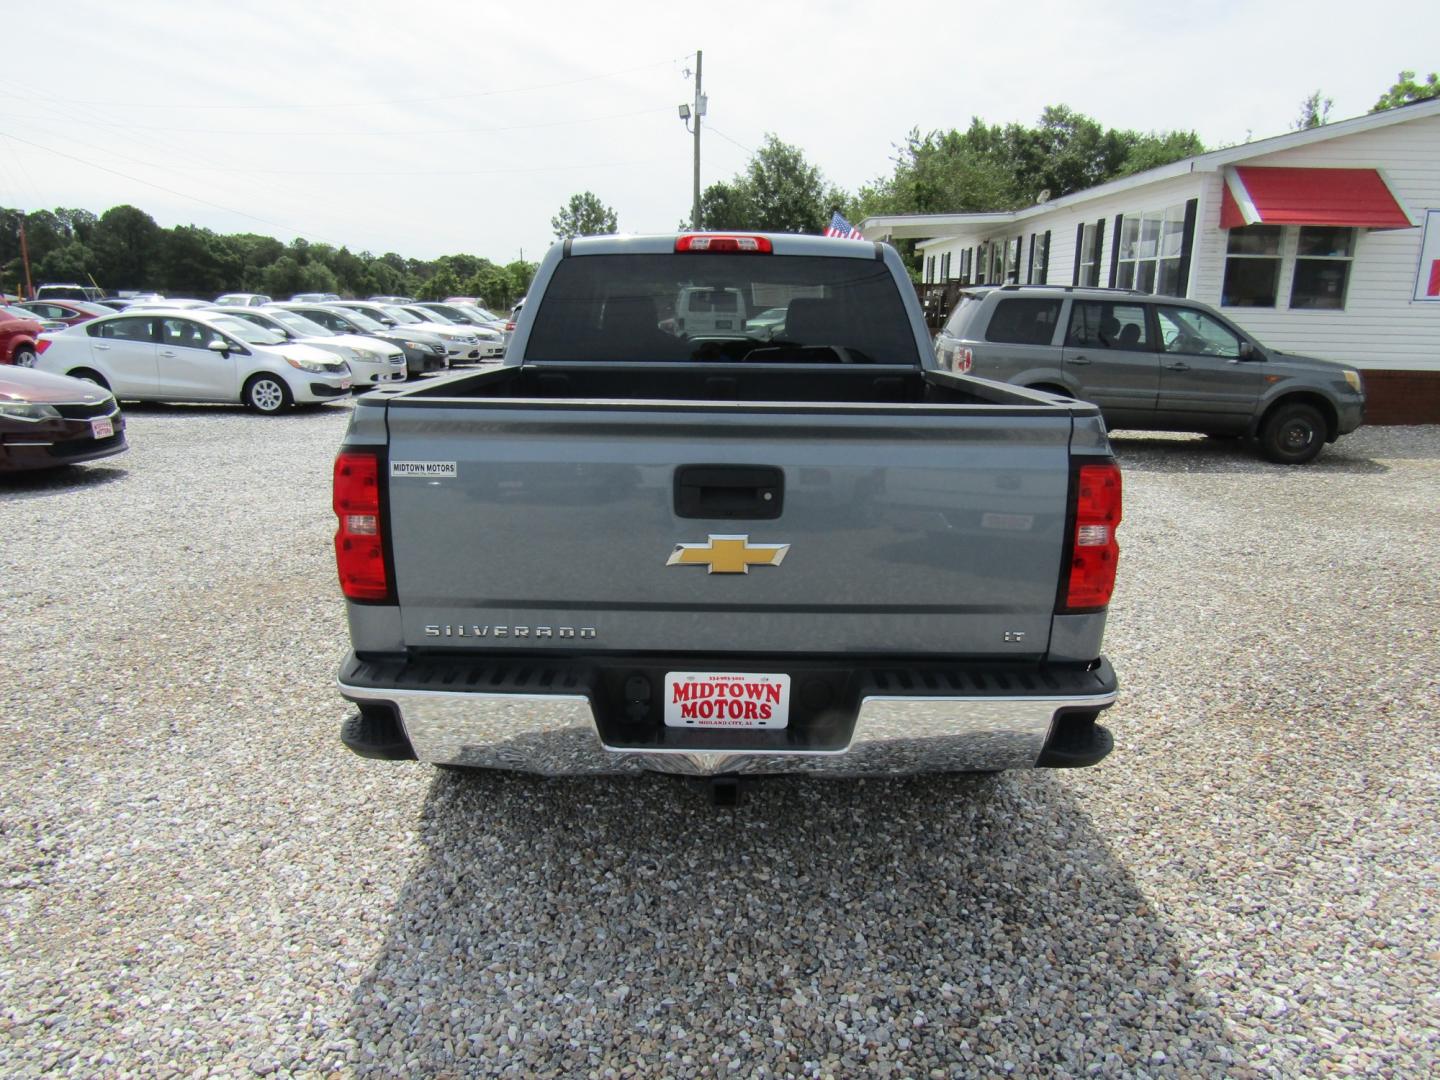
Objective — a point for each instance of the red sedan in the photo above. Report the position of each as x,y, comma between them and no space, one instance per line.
17,337
51,420
69,312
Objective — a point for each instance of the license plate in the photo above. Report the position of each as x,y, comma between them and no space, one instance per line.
726,699
102,428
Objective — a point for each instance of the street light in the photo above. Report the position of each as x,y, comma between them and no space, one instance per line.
686,112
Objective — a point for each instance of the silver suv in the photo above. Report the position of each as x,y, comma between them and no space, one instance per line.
1155,363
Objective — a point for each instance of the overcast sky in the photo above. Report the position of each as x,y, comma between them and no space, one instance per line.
432,128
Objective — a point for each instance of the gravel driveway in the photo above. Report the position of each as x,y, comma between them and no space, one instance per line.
195,877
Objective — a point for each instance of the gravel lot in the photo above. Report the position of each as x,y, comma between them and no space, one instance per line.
196,878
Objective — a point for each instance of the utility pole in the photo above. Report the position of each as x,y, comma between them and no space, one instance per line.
25,251
699,112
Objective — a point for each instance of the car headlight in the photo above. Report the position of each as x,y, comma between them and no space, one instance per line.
305,365
24,410
416,346
1353,378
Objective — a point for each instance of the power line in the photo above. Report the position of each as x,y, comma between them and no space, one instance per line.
185,167
368,134
167,190
391,101
727,138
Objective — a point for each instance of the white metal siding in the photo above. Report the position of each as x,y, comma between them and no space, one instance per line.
1381,325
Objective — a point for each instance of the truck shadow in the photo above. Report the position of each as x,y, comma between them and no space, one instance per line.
557,926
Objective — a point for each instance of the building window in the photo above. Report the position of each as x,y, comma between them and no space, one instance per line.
1322,267
1252,267
1150,247
1039,258
1089,256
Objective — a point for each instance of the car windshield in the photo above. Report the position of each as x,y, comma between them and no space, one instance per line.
247,332
488,316
20,313
432,316
400,315
363,321
685,307
298,324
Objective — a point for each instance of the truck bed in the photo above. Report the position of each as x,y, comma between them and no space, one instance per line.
755,383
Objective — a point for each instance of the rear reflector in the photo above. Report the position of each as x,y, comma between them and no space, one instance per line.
755,245
1094,551
359,544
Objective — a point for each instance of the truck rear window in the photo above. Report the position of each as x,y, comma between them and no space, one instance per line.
722,308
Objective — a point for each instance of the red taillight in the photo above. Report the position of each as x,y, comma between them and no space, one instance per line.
510,327
752,245
359,541
964,360
41,344
1094,551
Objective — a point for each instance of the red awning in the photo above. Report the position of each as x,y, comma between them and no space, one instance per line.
1358,198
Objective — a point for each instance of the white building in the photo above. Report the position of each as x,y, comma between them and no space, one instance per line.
1312,241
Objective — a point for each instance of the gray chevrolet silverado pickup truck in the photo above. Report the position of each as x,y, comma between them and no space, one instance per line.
813,551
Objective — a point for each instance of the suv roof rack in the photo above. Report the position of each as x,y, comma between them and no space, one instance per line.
1011,286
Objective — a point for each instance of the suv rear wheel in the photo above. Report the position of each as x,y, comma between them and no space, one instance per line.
1293,434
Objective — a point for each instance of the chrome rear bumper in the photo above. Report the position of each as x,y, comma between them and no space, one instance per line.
558,734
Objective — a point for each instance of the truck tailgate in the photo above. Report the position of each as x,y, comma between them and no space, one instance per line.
910,529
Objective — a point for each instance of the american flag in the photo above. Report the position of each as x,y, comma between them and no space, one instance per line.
840,227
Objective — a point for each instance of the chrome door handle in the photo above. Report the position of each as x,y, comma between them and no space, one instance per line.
1080,360
1179,365
102,348
168,352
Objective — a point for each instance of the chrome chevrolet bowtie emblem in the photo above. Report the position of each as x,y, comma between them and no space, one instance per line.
728,554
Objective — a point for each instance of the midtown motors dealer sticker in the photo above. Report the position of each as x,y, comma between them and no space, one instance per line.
711,699
423,468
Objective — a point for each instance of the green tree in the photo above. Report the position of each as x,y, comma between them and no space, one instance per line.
127,248
442,284
1314,112
1407,91
68,262
777,191
197,262
584,215
724,205
786,192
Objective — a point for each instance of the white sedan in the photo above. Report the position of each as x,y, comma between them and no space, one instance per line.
189,355
371,361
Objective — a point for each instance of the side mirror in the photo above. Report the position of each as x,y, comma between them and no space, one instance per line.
1249,352
388,322
221,346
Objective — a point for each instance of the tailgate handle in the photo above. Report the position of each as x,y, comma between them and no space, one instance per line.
755,492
